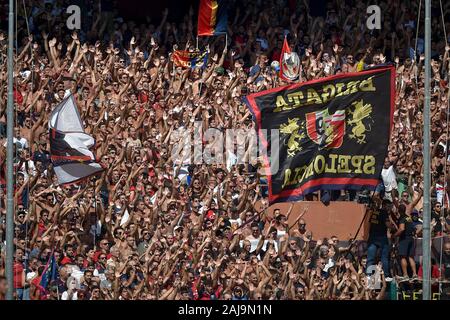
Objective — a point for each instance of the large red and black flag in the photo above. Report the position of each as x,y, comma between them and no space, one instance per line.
212,17
333,132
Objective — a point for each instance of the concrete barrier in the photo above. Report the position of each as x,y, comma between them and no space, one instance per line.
339,218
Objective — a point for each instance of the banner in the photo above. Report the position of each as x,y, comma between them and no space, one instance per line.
212,17
186,59
333,132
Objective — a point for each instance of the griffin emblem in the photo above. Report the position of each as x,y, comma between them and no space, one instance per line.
296,133
359,129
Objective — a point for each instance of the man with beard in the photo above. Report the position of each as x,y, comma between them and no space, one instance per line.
69,254
435,219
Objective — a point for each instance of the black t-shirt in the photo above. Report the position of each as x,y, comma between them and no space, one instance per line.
437,218
409,227
378,223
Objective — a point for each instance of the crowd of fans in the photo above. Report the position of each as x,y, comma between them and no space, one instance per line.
150,227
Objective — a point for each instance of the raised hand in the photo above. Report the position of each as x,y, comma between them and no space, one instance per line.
52,42
84,48
335,48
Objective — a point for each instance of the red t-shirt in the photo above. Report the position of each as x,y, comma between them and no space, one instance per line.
41,228
434,272
143,97
18,272
18,98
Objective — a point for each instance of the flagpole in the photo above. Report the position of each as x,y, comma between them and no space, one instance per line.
226,41
426,240
9,161
96,218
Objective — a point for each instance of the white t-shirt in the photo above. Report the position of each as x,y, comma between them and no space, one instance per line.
440,191
23,142
76,273
65,296
280,233
389,179
31,168
238,221
329,264
254,245
101,275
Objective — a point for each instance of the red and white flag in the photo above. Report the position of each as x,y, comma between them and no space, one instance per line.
289,63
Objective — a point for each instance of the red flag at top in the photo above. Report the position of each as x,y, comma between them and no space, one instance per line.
212,17
289,63
286,50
